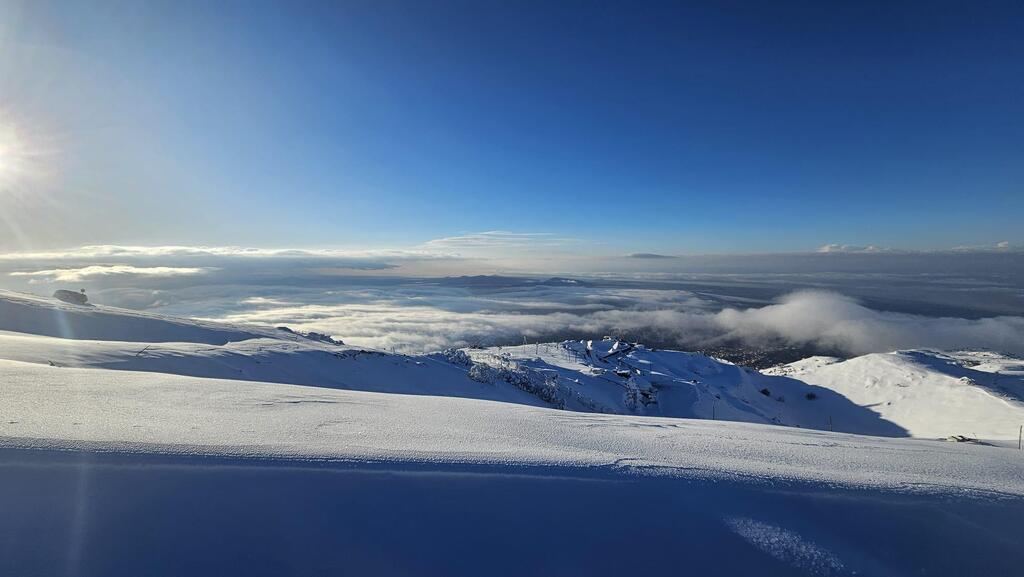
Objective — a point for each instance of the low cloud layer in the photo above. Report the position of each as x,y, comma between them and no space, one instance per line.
82,273
862,302
356,259
823,320
833,321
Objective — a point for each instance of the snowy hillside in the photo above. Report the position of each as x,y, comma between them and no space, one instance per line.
920,394
614,377
217,449
210,476
610,376
930,394
50,407
24,313
46,331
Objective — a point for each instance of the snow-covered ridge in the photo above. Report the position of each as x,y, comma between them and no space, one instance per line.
932,394
611,376
241,450
57,391
913,393
605,376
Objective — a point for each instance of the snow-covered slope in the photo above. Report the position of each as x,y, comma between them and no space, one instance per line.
613,377
37,315
105,337
610,376
931,394
283,454
52,407
913,393
121,472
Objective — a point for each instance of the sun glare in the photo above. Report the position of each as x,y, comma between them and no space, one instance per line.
20,161
9,153
24,179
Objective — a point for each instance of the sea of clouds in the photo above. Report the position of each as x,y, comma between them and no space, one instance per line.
371,299
826,320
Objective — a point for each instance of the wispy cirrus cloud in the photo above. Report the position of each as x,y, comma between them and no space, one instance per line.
500,240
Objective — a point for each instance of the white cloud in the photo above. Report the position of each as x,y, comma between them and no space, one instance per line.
813,318
327,290
79,274
843,248
93,252
831,320
229,261
499,239
1001,246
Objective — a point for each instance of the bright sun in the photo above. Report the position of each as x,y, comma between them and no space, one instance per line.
24,178
17,161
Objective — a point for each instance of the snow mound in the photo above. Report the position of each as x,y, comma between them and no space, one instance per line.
972,394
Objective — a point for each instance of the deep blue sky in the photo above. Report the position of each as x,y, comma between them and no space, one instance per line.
676,127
